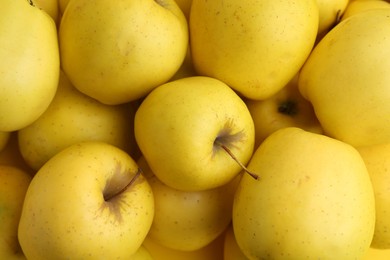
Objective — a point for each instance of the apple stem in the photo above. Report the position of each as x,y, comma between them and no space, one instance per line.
138,173
253,175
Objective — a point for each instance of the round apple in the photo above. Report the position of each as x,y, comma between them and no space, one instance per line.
183,129
89,201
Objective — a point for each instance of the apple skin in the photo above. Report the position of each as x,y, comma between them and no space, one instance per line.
13,186
80,205
247,43
30,64
178,125
347,78
73,117
284,109
377,161
4,138
314,200
357,6
139,45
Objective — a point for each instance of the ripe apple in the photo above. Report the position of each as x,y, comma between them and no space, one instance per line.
357,6
184,127
118,51
142,254
188,220
255,47
73,117
49,6
185,6
377,254
347,78
29,63
89,201
313,200
286,108
13,186
377,161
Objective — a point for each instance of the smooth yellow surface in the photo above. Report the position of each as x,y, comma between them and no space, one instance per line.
314,200
51,7
29,66
347,77
118,51
357,6
255,47
267,117
176,127
13,186
65,214
73,117
231,250
377,254
189,220
378,164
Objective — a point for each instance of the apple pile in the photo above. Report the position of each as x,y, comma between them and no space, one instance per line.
195,129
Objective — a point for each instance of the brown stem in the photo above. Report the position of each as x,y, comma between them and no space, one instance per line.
138,173
253,175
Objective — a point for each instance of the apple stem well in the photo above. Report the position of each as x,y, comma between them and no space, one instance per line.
288,107
137,174
224,147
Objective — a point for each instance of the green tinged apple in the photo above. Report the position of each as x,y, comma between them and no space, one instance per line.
118,51
184,127
89,201
314,200
347,79
29,63
256,47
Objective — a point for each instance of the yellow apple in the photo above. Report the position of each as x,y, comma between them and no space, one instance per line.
89,201
231,250
377,161
255,47
212,251
118,51
185,6
188,220
13,186
347,78
286,108
73,117
142,254
357,6
184,127
330,12
314,200
377,254
29,65
62,4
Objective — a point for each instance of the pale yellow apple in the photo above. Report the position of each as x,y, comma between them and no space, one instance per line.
13,186
62,4
357,6
89,201
286,108
183,127
231,250
255,47
188,220
73,117
330,13
347,77
314,200
118,51
49,6
212,251
29,65
185,6
377,161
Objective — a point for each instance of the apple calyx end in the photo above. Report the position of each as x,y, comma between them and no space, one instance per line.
288,107
224,147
